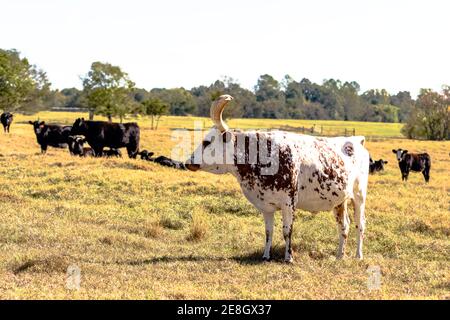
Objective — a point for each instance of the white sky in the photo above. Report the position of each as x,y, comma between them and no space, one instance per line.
395,44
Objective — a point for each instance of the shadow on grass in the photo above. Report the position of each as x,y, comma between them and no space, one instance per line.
169,259
255,257
249,258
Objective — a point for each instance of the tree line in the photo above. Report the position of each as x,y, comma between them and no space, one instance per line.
109,91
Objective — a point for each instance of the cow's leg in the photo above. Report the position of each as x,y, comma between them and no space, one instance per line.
132,151
343,226
98,151
359,204
405,175
426,174
288,222
43,148
268,220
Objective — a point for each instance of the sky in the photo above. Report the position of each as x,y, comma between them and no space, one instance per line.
396,45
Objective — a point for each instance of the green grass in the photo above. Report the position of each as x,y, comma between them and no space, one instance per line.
138,230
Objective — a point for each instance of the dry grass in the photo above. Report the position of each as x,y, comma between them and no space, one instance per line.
198,228
125,224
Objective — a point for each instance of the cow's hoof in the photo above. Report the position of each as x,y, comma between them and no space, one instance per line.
289,260
266,259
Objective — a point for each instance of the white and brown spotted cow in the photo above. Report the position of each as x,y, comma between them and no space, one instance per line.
287,171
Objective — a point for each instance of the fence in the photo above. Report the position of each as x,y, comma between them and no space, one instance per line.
321,130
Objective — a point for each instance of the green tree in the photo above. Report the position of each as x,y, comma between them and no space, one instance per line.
155,108
180,101
107,91
430,117
23,87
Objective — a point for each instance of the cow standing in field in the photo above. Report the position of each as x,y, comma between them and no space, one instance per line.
376,166
51,135
101,134
6,119
286,171
418,162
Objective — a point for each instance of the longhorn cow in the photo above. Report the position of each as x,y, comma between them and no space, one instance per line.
284,171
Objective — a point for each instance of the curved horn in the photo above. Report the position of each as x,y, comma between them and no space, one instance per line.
216,112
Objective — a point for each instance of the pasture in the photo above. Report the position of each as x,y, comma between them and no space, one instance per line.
139,230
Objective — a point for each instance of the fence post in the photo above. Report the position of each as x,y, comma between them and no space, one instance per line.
345,132
321,130
354,132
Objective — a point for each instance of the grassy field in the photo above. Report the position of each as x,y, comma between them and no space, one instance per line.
138,230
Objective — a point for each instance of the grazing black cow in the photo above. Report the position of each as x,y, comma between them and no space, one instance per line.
418,162
162,160
51,135
376,166
100,134
6,118
76,148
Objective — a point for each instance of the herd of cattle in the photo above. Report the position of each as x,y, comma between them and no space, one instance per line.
101,134
98,134
313,173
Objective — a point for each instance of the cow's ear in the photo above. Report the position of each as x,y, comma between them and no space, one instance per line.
82,119
385,162
30,122
394,151
405,151
42,123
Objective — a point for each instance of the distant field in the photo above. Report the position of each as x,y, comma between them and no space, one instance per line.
138,230
330,127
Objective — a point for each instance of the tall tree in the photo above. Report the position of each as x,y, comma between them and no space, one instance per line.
108,91
23,86
430,117
155,108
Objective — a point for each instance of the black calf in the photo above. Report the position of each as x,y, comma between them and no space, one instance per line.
76,147
376,166
418,162
146,155
162,160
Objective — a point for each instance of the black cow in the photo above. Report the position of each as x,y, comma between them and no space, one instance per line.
418,162
6,118
376,166
100,134
51,135
162,160
76,147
